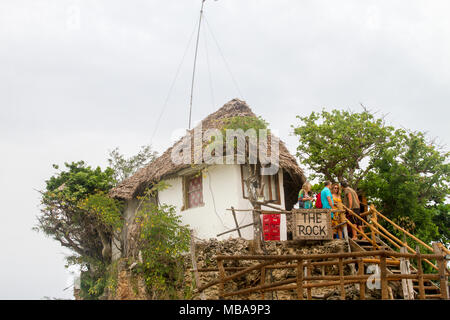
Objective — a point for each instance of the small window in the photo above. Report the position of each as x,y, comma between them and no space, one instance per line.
271,186
193,195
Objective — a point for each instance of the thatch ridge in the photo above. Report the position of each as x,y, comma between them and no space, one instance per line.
163,165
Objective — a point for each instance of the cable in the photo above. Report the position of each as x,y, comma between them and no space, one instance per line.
224,60
173,84
214,202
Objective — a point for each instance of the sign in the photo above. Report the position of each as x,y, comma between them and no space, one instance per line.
312,224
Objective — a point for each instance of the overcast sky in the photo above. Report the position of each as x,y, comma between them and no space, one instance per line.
80,77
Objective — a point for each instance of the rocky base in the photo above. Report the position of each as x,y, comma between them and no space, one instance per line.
206,251
132,285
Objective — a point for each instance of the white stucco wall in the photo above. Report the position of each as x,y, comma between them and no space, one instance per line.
222,188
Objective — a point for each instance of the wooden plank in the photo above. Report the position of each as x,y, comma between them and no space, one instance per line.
312,224
383,278
194,266
374,239
377,261
242,227
390,293
300,279
441,263
235,221
341,279
404,231
264,288
362,284
407,285
309,273
289,257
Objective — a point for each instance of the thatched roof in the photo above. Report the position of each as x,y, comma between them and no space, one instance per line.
163,165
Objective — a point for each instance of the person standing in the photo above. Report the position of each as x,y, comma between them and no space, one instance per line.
337,205
351,201
326,197
305,196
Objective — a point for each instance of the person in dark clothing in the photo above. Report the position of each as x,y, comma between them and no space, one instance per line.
351,201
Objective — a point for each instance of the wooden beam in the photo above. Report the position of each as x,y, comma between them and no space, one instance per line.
309,273
383,278
443,282
420,274
194,266
407,285
242,227
300,279
341,279
404,231
235,221
362,283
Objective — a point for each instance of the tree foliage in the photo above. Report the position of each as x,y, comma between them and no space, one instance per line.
335,145
77,212
245,123
403,174
125,167
162,241
411,180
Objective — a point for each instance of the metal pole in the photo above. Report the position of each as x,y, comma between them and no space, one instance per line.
195,62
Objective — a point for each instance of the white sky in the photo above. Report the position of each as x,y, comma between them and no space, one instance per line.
72,91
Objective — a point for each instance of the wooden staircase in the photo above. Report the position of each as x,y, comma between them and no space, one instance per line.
432,291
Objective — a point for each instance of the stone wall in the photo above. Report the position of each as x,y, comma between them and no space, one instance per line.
206,251
131,285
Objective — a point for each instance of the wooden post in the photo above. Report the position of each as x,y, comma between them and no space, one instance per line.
345,232
194,266
309,273
407,285
383,279
257,232
375,219
222,276
390,293
235,221
420,274
253,198
341,278
441,263
300,279
362,283
263,281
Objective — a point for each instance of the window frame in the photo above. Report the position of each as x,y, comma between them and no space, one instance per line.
186,180
277,187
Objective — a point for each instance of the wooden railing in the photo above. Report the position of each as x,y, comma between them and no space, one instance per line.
306,278
376,229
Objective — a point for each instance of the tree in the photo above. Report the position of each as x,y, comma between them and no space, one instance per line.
162,240
411,180
77,212
403,174
335,145
125,167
